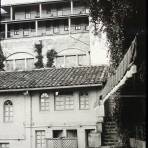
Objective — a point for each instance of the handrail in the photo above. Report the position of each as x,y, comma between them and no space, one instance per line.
123,67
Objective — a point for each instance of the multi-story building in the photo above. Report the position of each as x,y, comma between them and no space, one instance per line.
51,108
59,25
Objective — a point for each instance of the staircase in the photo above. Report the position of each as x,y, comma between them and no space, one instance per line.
109,134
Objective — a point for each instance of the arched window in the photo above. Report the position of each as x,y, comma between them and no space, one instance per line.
44,102
8,111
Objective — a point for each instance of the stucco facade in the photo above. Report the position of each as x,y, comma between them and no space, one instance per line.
28,118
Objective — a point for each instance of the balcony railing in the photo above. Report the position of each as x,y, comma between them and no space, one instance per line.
45,31
121,70
51,14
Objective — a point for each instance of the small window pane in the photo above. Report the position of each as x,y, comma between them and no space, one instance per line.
30,63
20,64
9,65
60,61
84,100
8,111
44,102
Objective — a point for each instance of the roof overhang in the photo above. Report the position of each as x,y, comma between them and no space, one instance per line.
52,88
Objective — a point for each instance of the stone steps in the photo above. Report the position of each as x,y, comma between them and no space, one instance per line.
110,133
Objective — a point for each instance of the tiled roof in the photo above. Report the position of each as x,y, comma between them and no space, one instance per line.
53,78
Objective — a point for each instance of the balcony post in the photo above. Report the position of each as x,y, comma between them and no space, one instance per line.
71,6
40,9
36,27
11,13
6,30
69,25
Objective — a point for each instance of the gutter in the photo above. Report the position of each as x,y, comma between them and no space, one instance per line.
51,88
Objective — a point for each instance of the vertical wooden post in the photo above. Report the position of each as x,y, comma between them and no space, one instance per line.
40,9
11,13
36,27
6,31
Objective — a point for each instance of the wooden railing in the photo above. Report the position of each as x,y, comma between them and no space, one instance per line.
121,69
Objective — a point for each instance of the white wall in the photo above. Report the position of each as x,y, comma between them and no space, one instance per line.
98,46
18,133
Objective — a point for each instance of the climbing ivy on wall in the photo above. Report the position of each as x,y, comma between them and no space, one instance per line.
2,59
51,54
38,49
122,20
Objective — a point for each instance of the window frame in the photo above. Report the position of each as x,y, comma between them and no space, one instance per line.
27,13
5,143
45,102
77,27
9,111
64,97
85,100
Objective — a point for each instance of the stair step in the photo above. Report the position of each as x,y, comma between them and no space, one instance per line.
110,122
109,130
110,140
110,136
109,143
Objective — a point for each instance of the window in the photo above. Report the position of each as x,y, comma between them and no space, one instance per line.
9,65
26,32
16,32
77,27
27,14
64,101
4,145
20,64
66,28
8,111
60,61
30,63
71,133
44,102
87,10
87,28
40,139
57,133
56,29
60,12
84,101
82,59
70,60
16,29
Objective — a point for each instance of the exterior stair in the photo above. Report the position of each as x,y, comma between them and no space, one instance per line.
110,133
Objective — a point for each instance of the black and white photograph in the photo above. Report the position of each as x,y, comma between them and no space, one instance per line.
73,74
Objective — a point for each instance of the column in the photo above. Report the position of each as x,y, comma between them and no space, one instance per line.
71,6
40,9
69,25
11,13
36,27
81,138
6,30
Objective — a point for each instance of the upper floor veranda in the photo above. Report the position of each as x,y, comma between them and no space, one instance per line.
42,10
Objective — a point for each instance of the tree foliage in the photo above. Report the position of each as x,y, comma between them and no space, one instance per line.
2,59
50,57
122,20
38,49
